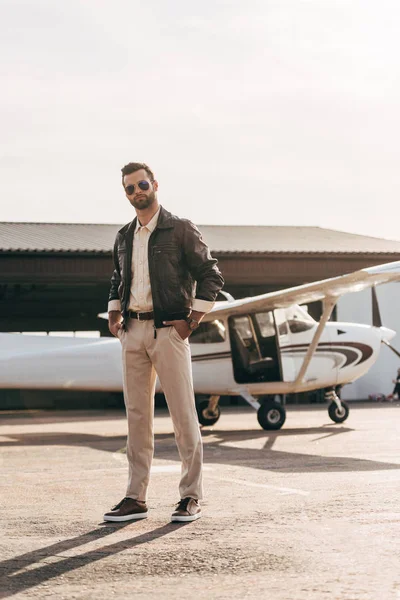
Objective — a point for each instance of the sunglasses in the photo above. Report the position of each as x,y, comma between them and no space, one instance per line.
142,185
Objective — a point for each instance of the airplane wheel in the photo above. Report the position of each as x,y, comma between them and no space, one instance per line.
206,417
338,416
271,415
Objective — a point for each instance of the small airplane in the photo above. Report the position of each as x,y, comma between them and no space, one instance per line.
260,348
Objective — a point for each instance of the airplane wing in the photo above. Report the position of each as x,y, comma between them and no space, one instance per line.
303,294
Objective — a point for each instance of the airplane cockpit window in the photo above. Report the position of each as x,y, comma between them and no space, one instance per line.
298,319
283,328
210,332
281,324
244,332
265,322
243,327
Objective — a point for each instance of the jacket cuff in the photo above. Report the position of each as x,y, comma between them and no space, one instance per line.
114,305
202,305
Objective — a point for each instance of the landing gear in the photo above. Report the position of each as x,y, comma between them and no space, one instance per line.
208,411
271,414
337,409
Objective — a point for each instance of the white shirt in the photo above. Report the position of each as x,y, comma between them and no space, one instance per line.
140,294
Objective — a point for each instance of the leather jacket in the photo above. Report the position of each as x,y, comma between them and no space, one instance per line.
180,266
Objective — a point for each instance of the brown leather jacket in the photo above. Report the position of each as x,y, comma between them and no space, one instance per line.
180,265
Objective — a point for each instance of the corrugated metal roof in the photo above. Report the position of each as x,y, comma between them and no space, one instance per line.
57,237
84,237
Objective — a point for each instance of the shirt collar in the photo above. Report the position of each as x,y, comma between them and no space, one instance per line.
151,225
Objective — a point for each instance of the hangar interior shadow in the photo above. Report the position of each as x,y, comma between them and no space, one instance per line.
219,448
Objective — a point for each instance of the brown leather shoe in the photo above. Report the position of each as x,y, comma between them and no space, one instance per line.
127,510
188,509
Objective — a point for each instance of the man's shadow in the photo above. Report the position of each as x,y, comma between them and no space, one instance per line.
20,581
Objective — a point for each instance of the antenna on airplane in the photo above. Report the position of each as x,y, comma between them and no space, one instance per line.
226,295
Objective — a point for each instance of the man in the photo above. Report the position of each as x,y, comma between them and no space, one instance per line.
164,282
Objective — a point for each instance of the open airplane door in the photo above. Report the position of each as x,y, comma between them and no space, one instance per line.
287,363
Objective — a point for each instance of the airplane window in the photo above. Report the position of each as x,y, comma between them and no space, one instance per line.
242,326
266,324
283,328
280,320
244,330
298,319
210,332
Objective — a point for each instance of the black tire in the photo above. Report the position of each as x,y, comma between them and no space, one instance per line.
271,415
336,415
205,418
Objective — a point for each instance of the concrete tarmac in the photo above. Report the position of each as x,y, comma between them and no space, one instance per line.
308,512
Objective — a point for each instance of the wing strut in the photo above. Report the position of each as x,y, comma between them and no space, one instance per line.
329,304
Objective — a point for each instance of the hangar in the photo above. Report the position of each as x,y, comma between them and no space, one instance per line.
54,277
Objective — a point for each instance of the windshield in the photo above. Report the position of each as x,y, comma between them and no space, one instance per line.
298,319
266,324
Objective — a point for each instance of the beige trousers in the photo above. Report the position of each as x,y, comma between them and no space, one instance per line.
168,356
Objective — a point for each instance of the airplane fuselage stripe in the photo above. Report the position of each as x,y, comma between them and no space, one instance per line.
212,356
354,352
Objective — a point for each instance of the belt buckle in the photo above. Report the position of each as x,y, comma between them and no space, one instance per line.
138,318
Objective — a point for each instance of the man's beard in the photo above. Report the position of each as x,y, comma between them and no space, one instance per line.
144,202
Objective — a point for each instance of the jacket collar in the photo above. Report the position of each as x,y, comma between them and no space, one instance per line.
165,221
152,224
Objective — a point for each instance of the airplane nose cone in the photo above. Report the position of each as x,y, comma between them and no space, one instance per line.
387,334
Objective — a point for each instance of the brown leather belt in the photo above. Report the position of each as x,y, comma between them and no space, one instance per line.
141,316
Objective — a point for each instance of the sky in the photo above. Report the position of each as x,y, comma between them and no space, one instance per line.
264,112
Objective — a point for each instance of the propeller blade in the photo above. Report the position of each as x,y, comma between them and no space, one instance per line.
389,345
376,314
377,321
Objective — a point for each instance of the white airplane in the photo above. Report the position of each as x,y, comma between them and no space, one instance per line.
260,348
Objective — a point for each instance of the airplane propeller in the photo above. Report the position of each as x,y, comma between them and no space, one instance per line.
376,313
377,320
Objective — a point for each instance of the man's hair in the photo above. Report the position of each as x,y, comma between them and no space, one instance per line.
133,167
